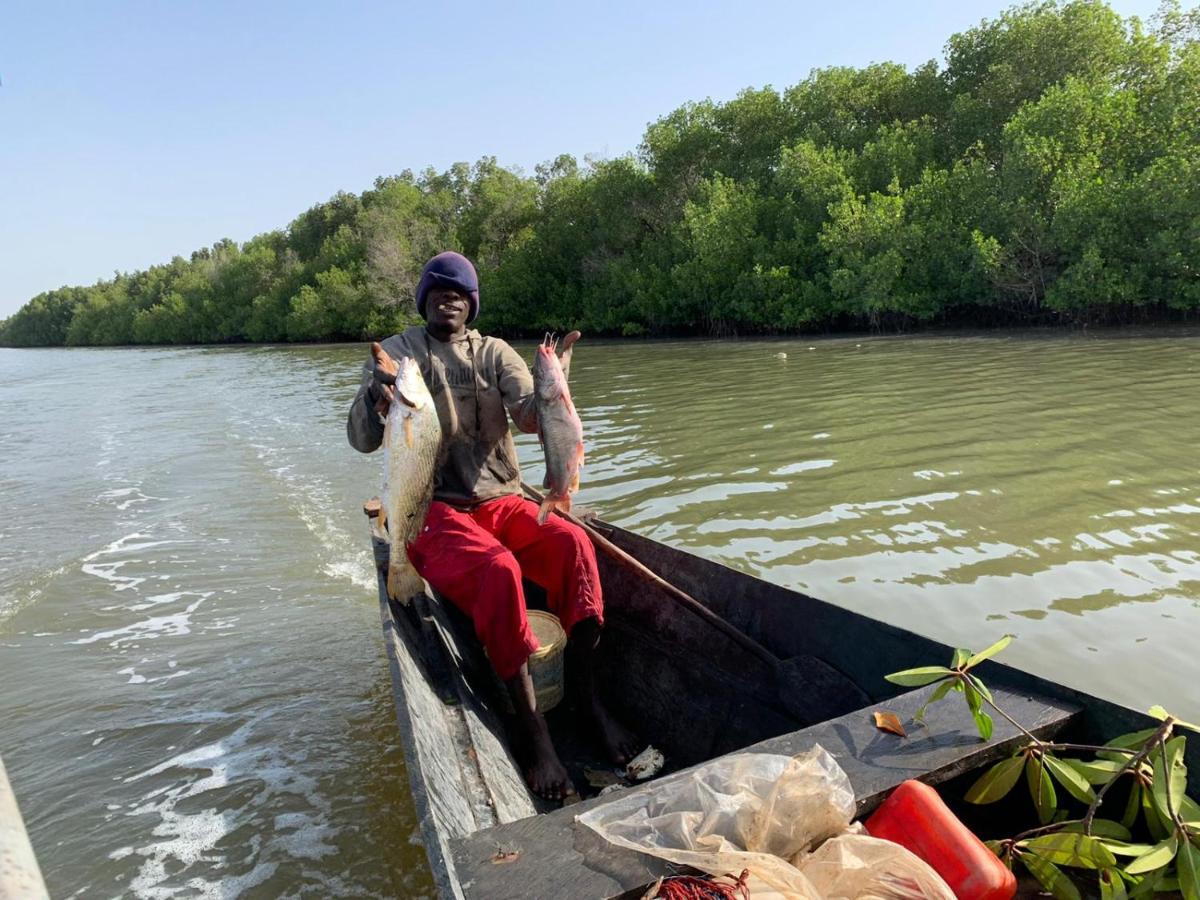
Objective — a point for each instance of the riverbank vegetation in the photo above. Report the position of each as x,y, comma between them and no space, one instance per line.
1047,170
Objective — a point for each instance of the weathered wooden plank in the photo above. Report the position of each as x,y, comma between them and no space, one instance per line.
556,858
20,877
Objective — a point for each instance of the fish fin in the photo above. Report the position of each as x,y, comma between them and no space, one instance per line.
579,453
574,486
564,502
547,507
565,357
403,584
408,431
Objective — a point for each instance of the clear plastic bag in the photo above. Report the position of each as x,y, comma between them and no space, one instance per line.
759,812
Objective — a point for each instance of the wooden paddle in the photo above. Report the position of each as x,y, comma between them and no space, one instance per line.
808,686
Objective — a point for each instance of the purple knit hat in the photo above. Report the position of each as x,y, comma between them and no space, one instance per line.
449,269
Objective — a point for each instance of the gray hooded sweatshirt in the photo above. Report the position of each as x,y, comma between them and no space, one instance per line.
476,383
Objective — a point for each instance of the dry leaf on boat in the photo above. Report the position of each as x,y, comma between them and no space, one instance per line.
887,721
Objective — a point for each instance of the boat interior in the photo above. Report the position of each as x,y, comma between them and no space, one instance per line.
692,693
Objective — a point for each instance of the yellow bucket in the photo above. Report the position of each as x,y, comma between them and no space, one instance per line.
546,663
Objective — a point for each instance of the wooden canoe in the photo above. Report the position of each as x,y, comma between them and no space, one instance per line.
691,692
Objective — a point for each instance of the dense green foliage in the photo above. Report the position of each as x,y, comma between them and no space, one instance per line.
1049,170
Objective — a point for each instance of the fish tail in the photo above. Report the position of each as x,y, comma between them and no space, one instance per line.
549,504
403,583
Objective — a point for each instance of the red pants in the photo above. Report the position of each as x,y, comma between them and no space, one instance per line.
476,559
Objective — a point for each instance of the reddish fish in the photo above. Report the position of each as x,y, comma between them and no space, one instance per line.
559,428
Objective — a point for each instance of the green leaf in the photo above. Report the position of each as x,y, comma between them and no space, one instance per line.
938,693
1112,885
984,723
1097,771
1041,789
974,701
1158,829
1067,849
1162,714
1121,848
1160,854
1103,828
1170,777
960,657
919,676
1187,867
1076,785
1146,885
1132,741
1132,805
1189,810
1052,878
990,651
980,686
1159,713
997,781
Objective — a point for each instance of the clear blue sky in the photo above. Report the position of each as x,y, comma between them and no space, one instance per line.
134,131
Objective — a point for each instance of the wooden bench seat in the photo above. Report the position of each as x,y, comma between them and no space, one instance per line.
557,858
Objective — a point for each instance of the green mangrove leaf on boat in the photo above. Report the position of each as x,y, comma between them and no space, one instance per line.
990,651
1041,789
1076,785
984,723
1160,713
1132,805
1051,877
974,700
1158,856
1158,828
997,781
1096,771
1068,849
920,676
1103,828
978,684
1132,741
1189,811
1170,777
960,657
1187,869
1112,885
1147,885
938,693
1121,848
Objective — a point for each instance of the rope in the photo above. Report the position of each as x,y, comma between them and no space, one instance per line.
690,887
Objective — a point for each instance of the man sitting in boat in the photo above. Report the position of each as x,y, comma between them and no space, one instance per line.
481,536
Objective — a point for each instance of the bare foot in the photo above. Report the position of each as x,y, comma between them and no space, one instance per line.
546,775
619,743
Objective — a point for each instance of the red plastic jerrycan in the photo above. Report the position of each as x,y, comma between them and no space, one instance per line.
915,817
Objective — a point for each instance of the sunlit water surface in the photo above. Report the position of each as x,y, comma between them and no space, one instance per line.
195,699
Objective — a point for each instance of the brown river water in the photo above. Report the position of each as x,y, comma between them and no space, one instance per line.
194,698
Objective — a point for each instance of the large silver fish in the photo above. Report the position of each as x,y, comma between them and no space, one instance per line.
559,427
412,439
